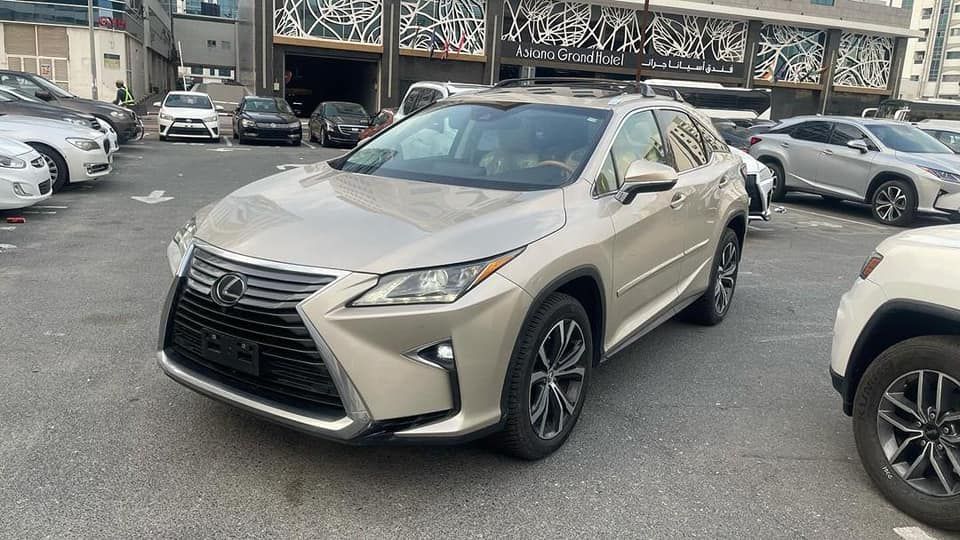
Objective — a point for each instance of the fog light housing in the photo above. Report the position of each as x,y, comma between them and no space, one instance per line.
438,355
19,189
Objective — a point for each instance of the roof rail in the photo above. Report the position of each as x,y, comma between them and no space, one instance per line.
611,85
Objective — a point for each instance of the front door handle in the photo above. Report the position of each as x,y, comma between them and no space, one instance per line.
677,201
785,145
827,152
723,182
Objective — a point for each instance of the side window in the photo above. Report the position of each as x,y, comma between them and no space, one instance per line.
638,138
952,140
427,98
811,131
843,133
23,84
713,142
684,139
410,103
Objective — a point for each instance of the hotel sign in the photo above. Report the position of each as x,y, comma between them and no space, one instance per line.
534,53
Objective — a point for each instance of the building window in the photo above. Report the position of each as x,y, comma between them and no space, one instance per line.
924,36
914,78
225,45
196,70
822,2
952,77
956,8
954,32
926,13
211,43
953,55
226,72
918,57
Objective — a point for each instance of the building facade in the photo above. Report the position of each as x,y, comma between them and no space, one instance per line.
133,42
932,65
815,55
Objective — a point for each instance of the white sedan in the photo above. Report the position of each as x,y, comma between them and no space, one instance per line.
73,153
760,184
24,176
189,115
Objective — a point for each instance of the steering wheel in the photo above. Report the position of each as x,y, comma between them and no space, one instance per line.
555,163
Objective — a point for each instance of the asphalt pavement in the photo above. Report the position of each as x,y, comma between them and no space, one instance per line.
732,431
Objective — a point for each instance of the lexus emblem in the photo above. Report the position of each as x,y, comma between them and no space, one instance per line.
228,289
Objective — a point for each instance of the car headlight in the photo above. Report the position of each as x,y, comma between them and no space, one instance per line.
12,163
946,176
84,144
432,285
294,124
180,243
165,116
212,118
247,123
77,122
117,114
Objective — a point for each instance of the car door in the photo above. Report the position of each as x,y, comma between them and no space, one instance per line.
804,149
236,116
843,170
648,233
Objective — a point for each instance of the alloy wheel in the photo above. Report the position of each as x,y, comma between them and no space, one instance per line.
726,278
52,167
891,203
918,422
556,383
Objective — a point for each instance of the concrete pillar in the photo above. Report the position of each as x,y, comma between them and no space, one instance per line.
750,54
491,46
389,94
263,47
829,67
896,66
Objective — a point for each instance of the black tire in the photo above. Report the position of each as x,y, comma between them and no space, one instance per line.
707,310
940,353
235,136
903,211
297,142
62,172
519,437
779,181
162,137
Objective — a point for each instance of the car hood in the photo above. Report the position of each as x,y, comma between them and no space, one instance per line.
319,216
279,118
12,148
186,112
943,162
18,122
90,106
942,236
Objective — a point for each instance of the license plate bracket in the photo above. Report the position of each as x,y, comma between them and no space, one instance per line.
231,351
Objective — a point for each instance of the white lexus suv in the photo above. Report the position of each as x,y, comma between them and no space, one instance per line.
896,362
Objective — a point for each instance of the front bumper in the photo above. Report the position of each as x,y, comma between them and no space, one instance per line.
35,182
190,128
388,394
88,165
345,134
272,134
126,128
760,189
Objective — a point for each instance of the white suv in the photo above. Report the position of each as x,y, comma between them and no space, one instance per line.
896,362
425,93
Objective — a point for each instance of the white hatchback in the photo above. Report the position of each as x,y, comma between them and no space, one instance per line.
24,175
190,115
896,362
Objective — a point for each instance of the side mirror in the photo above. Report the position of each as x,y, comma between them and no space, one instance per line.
157,104
44,95
220,108
859,144
646,177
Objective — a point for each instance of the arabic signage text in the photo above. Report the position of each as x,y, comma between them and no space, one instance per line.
113,23
576,57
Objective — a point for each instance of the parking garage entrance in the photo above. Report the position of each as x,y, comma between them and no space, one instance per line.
312,79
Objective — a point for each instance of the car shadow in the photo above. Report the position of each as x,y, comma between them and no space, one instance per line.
849,209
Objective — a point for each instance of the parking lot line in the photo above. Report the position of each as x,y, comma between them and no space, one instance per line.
845,220
310,146
228,141
912,533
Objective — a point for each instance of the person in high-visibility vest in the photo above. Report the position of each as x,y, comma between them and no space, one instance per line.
124,97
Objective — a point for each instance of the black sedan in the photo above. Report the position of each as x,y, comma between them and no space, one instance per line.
266,119
14,102
338,122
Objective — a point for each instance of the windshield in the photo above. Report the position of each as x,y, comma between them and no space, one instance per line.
186,101
267,105
907,139
52,88
343,109
514,146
